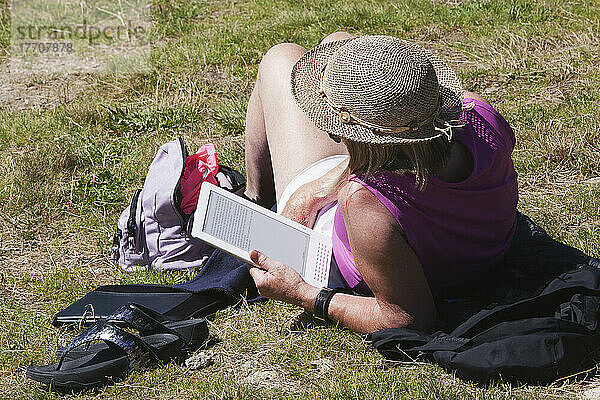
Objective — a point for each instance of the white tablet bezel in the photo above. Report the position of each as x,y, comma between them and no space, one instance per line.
200,216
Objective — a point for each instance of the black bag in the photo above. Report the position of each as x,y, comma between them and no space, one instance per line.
542,323
174,303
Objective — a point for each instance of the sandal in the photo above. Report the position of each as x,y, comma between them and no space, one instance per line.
193,331
123,352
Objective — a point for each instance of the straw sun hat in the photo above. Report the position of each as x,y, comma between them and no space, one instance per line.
377,89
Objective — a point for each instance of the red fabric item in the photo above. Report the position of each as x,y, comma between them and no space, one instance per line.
199,167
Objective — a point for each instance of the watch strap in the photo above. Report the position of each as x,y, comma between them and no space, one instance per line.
322,303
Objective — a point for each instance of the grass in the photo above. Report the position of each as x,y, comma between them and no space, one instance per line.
68,167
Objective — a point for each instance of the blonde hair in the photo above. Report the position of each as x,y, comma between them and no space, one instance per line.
420,158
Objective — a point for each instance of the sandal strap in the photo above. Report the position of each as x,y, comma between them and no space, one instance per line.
142,319
137,351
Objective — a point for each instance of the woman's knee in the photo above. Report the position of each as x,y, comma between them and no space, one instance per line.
279,60
337,36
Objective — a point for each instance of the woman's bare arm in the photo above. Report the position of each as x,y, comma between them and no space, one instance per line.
388,265
384,259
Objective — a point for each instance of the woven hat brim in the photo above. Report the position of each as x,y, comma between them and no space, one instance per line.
305,82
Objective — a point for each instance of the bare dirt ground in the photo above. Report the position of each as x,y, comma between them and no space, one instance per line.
48,80
45,81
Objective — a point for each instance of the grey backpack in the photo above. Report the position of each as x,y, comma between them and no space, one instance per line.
152,232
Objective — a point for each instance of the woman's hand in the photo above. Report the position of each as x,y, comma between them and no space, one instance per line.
306,202
278,281
302,206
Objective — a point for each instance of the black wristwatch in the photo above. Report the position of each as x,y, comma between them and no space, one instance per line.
322,303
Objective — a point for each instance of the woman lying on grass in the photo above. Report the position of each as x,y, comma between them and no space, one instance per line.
372,141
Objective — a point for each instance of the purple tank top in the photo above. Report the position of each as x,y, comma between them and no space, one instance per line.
457,230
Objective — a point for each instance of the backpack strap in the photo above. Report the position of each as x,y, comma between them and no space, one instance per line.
236,179
131,221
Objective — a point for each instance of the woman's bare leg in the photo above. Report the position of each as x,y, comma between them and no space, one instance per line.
280,139
260,185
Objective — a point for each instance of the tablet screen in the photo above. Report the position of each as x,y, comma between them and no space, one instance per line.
248,229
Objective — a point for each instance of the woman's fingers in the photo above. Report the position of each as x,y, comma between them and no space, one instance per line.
260,259
260,271
259,275
274,279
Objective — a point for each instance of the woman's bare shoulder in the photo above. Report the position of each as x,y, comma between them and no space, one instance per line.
362,208
472,95
353,195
